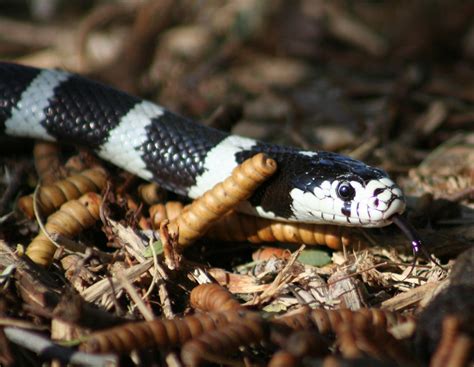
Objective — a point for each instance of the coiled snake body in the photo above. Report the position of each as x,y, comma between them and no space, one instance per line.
186,157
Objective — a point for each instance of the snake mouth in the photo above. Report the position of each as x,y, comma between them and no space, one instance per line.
376,212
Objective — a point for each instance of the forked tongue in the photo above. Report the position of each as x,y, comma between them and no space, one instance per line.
416,243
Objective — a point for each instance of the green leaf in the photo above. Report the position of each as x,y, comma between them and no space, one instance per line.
157,245
315,256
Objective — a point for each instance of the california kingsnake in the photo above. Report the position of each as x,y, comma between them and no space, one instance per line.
186,157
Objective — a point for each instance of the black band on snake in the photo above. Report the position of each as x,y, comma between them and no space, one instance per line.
188,158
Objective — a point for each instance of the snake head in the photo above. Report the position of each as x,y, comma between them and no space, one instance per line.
369,203
347,192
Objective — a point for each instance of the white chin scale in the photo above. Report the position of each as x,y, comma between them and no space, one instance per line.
372,206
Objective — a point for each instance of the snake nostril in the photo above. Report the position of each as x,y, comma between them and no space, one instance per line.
376,202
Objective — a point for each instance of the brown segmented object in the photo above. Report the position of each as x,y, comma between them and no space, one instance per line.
283,358
384,318
235,226
150,193
220,343
213,297
158,333
47,161
454,347
358,337
159,212
72,218
300,344
326,321
241,227
193,222
51,197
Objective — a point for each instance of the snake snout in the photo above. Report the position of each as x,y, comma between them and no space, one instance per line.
382,199
396,205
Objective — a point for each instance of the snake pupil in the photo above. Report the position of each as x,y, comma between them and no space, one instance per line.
345,191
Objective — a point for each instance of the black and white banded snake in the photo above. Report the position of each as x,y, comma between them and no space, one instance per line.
188,158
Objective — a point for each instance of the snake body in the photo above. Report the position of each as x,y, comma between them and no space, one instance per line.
189,158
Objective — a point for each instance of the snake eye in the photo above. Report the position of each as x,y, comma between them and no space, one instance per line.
345,191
